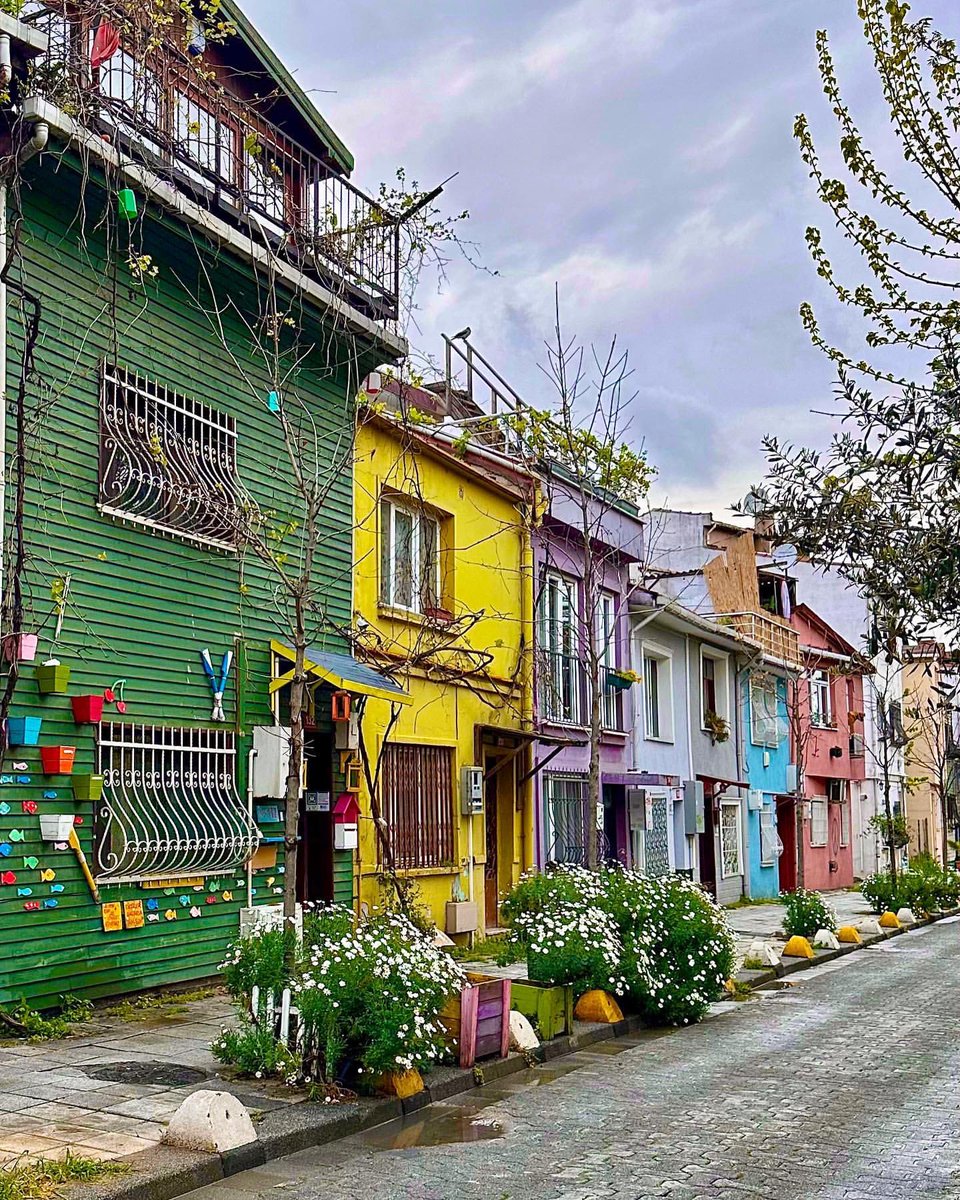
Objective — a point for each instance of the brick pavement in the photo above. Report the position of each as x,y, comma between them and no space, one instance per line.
844,1086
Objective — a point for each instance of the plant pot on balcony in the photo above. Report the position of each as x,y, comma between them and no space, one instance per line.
87,787
622,680
548,1007
87,710
20,647
23,731
58,760
53,678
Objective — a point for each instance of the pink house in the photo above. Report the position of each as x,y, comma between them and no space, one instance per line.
815,825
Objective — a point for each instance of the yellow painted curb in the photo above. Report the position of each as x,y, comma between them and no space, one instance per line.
889,920
598,1006
402,1084
847,933
798,947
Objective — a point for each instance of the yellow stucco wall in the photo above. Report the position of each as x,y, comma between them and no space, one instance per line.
922,759
480,678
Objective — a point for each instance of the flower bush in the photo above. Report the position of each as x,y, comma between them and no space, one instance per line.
673,947
807,913
369,994
925,888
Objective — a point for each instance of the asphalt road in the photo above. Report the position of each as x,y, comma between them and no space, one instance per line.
846,1085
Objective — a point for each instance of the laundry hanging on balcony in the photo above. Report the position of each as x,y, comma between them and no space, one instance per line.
106,42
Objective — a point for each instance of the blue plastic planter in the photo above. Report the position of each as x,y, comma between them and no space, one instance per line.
23,731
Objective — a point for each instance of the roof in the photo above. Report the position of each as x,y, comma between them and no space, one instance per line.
806,613
342,671
297,96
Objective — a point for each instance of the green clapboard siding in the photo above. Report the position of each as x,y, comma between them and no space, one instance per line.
140,607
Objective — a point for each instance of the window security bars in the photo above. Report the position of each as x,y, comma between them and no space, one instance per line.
417,802
225,153
169,463
170,804
566,818
731,845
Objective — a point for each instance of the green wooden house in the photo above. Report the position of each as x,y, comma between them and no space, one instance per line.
188,274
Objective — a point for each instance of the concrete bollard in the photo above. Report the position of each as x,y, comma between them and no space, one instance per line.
210,1121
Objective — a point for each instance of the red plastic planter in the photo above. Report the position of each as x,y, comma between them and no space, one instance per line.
87,710
58,760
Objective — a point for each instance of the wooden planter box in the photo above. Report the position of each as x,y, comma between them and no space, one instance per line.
23,731
478,1020
87,787
58,760
87,710
20,647
548,1007
53,679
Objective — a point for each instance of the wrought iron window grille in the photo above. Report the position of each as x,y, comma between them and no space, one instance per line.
170,804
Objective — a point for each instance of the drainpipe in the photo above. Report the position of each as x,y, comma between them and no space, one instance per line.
530,823
6,66
251,755
692,839
35,143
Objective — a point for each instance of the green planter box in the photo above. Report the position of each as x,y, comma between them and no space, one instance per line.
87,787
548,1007
53,679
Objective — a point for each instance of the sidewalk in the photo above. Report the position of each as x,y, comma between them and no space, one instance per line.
766,920
111,1090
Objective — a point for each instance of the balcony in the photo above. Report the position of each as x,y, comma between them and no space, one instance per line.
777,640
153,104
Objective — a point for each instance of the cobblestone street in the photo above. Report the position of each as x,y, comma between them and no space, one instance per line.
844,1085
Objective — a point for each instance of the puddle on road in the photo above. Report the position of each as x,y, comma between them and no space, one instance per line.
441,1125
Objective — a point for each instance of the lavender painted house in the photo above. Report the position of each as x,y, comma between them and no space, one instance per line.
582,553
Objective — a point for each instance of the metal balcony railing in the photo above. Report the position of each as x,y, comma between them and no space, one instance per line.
226,154
776,639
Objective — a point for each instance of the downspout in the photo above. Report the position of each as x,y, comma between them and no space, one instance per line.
743,769
692,839
530,824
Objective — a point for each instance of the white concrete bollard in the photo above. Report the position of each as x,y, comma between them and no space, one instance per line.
210,1121
906,916
764,951
826,939
522,1036
869,925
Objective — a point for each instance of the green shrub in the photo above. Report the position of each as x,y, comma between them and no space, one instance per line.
257,961
674,949
879,892
807,913
925,888
255,1051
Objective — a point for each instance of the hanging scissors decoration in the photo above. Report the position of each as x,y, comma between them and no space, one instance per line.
218,683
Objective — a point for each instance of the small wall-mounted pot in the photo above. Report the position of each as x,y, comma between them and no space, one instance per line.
55,828
23,731
20,647
58,760
87,710
87,787
53,678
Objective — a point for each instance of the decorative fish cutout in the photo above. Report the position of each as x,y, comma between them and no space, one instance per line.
153,905
278,891
60,846
21,766
4,808
6,849
153,916
281,870
50,903
239,883
30,806
56,888
271,881
198,887
23,779
211,899
78,820
227,896
184,901
32,906
8,878
47,875
214,885
49,795
169,891
15,835
5,779
171,914
195,912
253,891
31,863
24,891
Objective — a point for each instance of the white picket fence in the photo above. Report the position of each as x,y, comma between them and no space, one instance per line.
288,1027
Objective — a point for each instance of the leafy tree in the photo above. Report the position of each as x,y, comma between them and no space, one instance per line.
882,504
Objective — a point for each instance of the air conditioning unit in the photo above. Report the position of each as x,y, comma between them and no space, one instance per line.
271,762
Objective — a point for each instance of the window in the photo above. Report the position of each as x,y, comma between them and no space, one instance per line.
409,558
657,694
818,821
821,702
770,845
417,801
714,690
731,845
565,819
765,724
170,803
133,95
611,698
203,139
559,657
169,463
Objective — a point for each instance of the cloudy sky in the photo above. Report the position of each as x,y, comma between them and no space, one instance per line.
636,152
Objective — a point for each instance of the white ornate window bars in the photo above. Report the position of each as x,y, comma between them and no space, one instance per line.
170,803
168,463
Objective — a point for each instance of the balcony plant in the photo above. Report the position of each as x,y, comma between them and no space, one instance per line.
716,726
623,678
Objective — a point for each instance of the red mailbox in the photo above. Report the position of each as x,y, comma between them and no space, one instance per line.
346,817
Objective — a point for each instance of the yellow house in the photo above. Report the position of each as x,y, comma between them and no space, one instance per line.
443,598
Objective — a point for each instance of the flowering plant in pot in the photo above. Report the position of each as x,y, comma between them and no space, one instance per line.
718,727
623,678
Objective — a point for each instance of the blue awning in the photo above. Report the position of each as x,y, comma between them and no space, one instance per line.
343,672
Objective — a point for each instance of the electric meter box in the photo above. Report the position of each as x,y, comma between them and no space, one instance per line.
471,790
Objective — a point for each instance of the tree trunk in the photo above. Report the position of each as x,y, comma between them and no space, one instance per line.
594,790
801,878
291,825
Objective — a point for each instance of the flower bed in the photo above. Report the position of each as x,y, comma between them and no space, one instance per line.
367,997
925,887
660,944
807,913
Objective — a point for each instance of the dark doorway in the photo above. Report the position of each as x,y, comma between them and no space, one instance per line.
315,860
491,897
787,832
707,842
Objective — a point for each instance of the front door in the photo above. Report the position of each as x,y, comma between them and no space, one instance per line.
787,832
491,894
707,844
315,859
